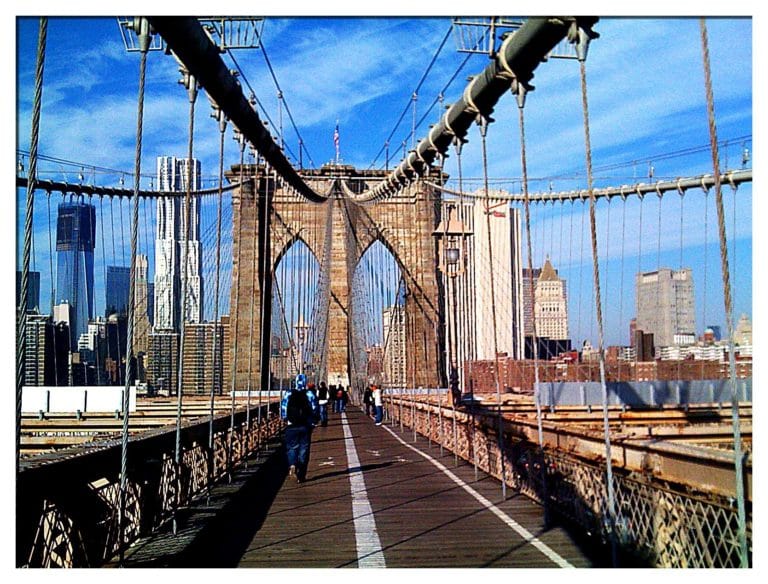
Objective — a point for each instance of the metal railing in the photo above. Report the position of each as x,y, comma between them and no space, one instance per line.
659,523
67,502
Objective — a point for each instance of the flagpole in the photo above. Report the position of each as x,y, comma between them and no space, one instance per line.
336,141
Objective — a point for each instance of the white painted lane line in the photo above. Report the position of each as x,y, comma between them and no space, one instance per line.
521,531
369,552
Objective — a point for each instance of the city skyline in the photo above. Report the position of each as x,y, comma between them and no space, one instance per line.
622,42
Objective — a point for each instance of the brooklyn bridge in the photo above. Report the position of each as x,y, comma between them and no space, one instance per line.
555,303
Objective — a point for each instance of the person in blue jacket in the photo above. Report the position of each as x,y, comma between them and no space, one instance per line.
300,411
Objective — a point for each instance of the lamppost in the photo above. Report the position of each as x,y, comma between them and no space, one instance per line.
451,235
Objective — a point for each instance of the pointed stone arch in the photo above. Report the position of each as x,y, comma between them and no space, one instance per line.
403,223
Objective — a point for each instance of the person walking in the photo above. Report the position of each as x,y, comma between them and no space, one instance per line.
322,400
339,398
368,400
299,410
332,398
378,404
344,398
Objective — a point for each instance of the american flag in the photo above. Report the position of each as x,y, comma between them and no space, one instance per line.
336,137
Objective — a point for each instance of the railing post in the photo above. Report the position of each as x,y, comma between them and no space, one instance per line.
440,420
429,420
455,447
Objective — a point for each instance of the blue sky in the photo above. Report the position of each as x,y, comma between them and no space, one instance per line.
646,95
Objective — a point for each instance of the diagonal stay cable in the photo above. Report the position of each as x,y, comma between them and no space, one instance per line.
201,57
282,96
414,92
241,75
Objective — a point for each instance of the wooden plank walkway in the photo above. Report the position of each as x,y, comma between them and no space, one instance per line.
422,512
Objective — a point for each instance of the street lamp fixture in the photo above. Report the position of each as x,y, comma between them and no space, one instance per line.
451,238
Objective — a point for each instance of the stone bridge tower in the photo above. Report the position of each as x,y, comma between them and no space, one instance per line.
404,224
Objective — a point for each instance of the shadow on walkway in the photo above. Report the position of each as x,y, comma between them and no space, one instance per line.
216,533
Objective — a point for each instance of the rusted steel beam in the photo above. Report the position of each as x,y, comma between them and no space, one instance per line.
706,470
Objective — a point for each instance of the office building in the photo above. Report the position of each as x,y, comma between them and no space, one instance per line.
550,304
116,290
38,361
201,341
504,261
75,242
116,333
33,290
743,333
665,304
394,356
173,246
142,322
162,362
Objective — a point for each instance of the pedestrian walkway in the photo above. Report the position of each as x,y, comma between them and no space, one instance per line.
372,498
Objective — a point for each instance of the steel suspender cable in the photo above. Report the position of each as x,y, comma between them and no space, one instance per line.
112,229
639,348
248,385
621,285
582,50
191,84
53,288
470,318
249,382
144,42
21,341
483,125
235,310
658,269
706,246
581,268
50,251
217,363
680,267
534,336
737,452
607,251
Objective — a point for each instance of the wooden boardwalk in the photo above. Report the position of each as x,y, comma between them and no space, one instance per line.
409,511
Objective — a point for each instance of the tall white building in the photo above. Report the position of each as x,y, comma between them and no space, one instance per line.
469,308
506,258
665,304
172,245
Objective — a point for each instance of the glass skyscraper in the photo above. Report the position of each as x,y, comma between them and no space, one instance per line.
75,241
117,290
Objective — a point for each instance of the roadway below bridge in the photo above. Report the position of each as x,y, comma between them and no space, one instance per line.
372,498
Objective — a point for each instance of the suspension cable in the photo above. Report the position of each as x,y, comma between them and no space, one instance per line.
191,84
534,337
414,92
222,121
621,283
21,343
598,306
144,41
483,125
281,96
737,452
